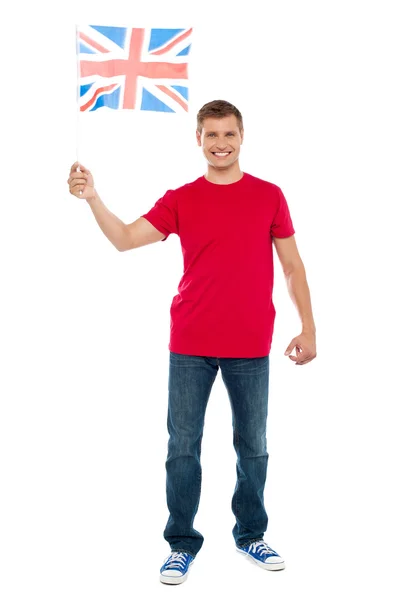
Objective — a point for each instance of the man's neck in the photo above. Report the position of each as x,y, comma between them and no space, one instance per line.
224,176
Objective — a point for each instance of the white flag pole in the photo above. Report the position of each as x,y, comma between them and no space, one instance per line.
77,98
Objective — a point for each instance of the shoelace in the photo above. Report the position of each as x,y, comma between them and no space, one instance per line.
176,559
261,547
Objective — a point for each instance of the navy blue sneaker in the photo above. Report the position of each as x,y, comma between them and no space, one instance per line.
263,555
175,568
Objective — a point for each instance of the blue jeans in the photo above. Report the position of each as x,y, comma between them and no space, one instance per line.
190,382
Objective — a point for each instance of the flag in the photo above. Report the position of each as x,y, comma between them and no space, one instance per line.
133,68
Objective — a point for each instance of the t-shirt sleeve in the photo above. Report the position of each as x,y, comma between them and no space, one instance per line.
163,215
282,224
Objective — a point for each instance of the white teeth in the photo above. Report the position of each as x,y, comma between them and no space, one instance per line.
221,153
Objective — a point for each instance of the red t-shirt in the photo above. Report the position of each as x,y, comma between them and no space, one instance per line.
224,304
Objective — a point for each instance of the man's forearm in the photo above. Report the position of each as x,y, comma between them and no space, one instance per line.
112,227
300,295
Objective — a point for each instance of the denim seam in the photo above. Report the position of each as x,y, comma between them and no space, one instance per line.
236,494
200,486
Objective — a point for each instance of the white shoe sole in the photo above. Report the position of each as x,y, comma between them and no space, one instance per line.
269,566
175,580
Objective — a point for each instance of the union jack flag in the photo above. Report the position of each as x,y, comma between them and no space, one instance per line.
132,68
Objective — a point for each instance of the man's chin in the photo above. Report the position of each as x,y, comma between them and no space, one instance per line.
221,164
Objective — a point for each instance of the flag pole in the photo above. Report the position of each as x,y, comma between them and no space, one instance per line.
77,97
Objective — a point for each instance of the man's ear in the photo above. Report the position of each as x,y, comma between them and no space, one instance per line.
242,135
198,135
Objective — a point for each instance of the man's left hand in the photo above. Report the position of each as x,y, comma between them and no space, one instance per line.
305,348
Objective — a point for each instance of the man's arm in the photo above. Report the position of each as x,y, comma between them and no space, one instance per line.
140,233
295,276
111,226
122,236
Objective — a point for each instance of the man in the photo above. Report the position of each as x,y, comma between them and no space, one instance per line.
223,316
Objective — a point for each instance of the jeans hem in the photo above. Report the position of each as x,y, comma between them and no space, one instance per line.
183,550
250,542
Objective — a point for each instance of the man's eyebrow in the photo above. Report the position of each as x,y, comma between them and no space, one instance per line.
210,131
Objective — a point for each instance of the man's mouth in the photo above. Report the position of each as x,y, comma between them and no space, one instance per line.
221,154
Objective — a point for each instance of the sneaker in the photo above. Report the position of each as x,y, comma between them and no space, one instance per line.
175,568
263,555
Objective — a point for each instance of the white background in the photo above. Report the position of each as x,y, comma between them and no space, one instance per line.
85,329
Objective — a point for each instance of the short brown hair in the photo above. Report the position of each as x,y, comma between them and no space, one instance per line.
218,109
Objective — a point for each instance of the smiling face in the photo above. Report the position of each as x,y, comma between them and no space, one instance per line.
220,140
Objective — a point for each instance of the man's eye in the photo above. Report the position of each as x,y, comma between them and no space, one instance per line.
210,134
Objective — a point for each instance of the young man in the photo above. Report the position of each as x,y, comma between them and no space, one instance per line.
222,317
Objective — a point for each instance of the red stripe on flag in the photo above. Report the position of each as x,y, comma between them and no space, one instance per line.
175,97
92,43
94,98
176,41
